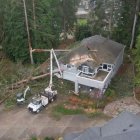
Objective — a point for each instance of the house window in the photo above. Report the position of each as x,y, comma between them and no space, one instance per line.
105,66
85,69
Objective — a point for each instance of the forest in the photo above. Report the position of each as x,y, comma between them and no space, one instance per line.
29,27
45,20
29,24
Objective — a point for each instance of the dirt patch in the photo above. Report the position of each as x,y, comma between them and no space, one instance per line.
125,104
123,69
40,125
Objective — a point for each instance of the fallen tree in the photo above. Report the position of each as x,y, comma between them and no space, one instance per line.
25,81
19,84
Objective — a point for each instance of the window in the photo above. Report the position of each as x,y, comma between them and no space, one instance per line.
104,66
85,69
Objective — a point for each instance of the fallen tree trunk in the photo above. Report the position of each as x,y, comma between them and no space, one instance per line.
24,81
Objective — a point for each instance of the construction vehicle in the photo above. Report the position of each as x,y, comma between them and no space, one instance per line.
21,97
49,95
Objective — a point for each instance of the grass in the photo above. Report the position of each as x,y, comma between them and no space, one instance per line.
98,115
10,103
59,110
82,21
46,138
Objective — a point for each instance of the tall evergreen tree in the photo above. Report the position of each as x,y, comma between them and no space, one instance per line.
15,39
46,19
122,32
68,9
113,18
104,16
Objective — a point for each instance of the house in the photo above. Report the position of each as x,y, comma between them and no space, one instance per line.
125,127
83,9
93,63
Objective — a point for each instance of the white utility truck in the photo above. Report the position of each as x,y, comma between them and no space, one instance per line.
38,102
21,97
49,95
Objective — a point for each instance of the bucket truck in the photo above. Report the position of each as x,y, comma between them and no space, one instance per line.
49,95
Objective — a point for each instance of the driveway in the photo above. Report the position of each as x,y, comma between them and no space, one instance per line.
21,124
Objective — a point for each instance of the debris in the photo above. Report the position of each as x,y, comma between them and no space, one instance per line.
125,104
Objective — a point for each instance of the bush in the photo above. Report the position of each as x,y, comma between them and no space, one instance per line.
82,31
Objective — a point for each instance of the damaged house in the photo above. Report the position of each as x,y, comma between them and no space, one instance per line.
93,63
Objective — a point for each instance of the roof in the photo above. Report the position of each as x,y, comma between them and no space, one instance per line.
96,48
125,127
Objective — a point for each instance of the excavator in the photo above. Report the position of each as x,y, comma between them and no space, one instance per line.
21,97
48,95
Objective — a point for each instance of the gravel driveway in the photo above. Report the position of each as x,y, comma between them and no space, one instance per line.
21,124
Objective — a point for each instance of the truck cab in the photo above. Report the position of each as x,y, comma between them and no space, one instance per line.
37,103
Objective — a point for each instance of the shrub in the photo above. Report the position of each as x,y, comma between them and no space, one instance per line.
82,31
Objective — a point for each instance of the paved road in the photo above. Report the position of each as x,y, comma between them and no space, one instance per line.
21,124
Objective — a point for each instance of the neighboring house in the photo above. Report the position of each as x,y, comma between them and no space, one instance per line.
93,63
83,9
125,127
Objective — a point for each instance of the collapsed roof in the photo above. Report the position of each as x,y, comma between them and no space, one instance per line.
96,49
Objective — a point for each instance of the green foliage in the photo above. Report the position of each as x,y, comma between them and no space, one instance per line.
15,40
48,138
113,19
67,13
51,18
104,16
98,114
82,21
2,2
10,103
33,138
82,31
67,9
137,61
122,32
59,110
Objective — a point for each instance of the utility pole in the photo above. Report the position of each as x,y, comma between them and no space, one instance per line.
28,33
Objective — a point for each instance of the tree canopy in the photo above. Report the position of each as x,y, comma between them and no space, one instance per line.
46,18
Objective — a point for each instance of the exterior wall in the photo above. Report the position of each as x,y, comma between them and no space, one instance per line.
108,78
90,82
118,62
72,74
112,73
67,75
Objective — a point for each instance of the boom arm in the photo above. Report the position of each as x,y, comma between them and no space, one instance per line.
25,92
57,62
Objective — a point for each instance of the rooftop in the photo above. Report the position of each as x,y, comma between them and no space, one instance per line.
125,127
96,48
